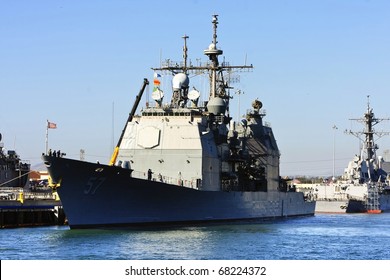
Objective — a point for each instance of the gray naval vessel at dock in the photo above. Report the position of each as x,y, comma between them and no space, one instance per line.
364,185
182,162
22,205
13,171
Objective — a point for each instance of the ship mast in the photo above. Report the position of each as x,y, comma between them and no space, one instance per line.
369,120
185,55
212,52
215,70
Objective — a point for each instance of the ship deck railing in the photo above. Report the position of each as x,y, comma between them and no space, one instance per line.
16,195
39,196
10,189
192,183
339,198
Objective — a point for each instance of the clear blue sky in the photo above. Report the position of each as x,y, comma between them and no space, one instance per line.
72,62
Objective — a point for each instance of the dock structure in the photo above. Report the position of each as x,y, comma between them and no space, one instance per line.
28,209
26,199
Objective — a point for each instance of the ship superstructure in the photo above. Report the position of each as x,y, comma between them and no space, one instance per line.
182,161
13,170
210,150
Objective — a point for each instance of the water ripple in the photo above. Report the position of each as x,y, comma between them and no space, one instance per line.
322,237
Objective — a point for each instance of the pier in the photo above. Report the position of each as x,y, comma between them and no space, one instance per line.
30,209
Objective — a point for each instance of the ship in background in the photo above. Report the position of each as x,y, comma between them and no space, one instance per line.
182,161
364,186
23,203
13,171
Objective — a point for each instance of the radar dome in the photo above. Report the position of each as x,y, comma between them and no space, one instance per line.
257,104
212,50
216,106
212,46
180,81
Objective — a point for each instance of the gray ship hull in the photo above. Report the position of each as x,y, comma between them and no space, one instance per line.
340,206
347,198
96,196
350,206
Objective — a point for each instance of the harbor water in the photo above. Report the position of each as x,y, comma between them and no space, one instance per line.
319,237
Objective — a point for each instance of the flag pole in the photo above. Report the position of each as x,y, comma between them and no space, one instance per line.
49,125
47,137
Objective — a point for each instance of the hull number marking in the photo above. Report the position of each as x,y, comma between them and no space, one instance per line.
93,184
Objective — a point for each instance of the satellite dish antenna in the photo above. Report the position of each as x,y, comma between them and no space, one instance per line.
194,95
157,96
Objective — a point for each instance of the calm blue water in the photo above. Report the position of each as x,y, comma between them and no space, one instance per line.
322,237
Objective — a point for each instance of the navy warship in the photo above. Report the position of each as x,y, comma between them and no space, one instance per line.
13,171
364,186
183,161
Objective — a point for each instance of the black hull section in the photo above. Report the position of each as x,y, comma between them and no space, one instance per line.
356,206
95,196
384,202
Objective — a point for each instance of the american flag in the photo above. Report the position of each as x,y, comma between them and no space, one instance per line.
51,125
